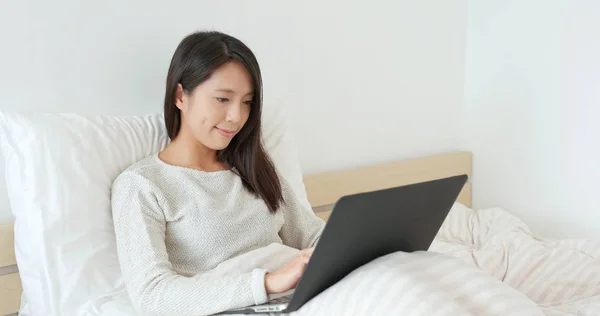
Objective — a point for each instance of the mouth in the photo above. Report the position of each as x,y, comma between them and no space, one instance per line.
226,132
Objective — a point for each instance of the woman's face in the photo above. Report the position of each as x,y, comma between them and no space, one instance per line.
217,109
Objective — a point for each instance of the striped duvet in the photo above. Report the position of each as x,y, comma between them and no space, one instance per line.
484,262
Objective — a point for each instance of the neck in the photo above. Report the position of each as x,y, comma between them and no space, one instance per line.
185,151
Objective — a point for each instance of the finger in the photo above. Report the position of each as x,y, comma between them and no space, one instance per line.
308,252
301,261
305,259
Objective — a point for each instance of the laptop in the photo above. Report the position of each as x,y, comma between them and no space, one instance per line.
366,226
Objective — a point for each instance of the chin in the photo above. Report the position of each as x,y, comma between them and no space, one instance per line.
218,145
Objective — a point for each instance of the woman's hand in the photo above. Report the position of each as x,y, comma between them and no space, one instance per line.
287,276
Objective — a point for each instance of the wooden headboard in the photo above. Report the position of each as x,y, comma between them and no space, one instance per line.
10,284
323,191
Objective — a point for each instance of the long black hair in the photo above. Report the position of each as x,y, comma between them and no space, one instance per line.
197,56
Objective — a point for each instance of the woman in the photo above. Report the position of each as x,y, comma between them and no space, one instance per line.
212,194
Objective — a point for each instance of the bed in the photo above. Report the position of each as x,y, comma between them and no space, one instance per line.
322,190
556,277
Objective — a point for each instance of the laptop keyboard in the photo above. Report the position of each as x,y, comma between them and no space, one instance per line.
281,300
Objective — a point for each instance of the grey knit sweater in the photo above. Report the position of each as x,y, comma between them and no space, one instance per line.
174,225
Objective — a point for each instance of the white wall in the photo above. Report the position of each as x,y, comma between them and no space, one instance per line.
367,82
532,97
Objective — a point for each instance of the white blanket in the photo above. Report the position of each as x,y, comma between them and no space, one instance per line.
483,262
561,276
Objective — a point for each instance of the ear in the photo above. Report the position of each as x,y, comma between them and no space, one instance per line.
180,97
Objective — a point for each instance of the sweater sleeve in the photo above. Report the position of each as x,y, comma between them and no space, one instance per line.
153,285
302,228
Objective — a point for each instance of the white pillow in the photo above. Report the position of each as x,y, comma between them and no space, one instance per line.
59,171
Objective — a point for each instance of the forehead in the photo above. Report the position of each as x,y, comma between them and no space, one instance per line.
231,76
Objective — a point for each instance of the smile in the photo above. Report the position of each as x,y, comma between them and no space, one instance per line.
225,132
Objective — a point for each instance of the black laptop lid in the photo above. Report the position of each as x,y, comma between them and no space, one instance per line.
365,226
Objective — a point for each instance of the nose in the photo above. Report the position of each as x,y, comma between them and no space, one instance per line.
234,113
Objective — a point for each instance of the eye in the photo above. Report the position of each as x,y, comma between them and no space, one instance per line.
222,100
249,102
